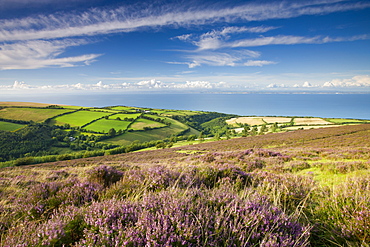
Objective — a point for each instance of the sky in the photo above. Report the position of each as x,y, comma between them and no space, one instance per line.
100,45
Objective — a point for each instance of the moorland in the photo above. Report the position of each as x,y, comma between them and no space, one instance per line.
254,185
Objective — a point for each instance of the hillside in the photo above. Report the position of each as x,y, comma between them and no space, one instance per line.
45,132
301,188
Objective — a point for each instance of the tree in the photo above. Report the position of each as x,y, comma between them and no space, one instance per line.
245,131
254,131
263,129
201,137
274,127
217,136
112,132
192,137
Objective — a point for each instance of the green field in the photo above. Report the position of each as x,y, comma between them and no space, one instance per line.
30,114
123,116
175,113
124,108
79,118
141,123
9,126
346,120
104,125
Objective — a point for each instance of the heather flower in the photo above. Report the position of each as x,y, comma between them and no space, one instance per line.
105,175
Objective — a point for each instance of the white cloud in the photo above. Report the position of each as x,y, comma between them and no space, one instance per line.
215,39
39,54
259,63
234,58
356,81
152,84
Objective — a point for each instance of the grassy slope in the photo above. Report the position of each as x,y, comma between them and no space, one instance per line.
10,126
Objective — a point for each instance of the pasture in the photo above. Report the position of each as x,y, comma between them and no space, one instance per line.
31,114
123,116
124,108
6,126
346,120
141,123
79,118
104,125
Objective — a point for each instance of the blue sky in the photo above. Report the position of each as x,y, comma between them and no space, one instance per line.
162,45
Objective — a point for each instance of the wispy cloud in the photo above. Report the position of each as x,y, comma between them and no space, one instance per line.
39,41
125,19
289,40
39,54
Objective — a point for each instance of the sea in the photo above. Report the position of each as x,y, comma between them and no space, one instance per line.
244,104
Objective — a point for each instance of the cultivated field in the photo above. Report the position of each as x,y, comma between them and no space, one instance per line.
31,104
246,120
30,114
271,120
310,121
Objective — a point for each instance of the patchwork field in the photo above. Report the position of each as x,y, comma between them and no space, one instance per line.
79,118
31,114
150,135
10,126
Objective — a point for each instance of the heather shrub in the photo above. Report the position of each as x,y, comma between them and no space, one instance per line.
63,228
343,213
58,175
287,190
192,217
40,200
209,176
295,166
104,175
